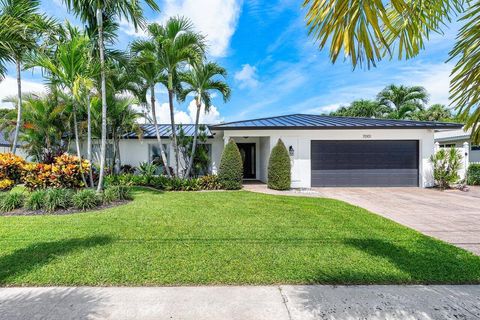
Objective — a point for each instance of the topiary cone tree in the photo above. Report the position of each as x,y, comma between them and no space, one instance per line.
279,168
230,173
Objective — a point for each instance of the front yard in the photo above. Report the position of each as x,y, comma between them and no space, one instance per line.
181,238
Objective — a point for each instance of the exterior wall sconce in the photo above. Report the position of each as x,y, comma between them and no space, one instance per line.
291,151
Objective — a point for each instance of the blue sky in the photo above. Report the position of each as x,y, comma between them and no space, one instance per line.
274,67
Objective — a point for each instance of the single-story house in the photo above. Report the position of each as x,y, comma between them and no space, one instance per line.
6,145
459,138
325,151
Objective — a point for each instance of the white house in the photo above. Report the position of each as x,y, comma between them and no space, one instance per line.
324,150
459,139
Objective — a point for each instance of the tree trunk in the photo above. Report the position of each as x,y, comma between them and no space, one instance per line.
195,136
77,143
157,132
19,107
172,120
89,139
103,147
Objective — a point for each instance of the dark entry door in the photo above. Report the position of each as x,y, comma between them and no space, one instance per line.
372,163
247,150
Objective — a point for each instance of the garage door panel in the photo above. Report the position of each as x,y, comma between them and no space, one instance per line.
364,163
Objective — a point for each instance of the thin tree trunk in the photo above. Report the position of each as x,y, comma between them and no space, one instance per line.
89,139
117,142
195,136
77,143
103,147
19,107
172,120
157,132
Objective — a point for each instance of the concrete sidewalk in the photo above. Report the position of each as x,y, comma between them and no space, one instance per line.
242,303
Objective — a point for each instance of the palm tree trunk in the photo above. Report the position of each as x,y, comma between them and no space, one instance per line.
103,147
157,132
19,107
89,139
77,143
195,136
172,120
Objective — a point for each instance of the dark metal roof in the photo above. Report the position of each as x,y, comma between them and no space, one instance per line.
165,131
311,121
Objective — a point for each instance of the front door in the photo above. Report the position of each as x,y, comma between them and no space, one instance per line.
247,150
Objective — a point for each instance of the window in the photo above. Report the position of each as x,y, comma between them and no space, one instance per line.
154,154
448,145
476,148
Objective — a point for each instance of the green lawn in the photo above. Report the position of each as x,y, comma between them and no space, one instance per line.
224,238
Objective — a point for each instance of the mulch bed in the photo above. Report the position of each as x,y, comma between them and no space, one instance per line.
24,212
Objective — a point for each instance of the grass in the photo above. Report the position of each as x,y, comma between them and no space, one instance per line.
224,238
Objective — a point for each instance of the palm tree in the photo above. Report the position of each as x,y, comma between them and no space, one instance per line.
367,31
93,12
436,112
148,69
201,80
363,108
176,44
25,24
403,100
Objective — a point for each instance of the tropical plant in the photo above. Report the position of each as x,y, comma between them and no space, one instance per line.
446,164
6,184
363,108
403,100
117,193
35,200
436,112
25,24
11,167
367,31
201,80
85,199
175,44
93,12
201,157
57,199
473,174
230,172
13,200
279,168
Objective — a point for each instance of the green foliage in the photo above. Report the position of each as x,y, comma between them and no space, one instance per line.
209,182
58,199
279,168
11,201
473,174
230,173
85,199
35,200
147,170
363,109
446,164
117,193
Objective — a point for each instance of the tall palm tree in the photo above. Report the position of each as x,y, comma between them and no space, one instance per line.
26,25
363,108
200,81
403,100
176,44
93,12
367,31
150,71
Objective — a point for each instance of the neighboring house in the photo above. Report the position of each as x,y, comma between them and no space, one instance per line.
6,146
325,151
458,138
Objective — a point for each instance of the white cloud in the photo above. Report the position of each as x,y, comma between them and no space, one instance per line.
327,108
188,117
8,88
247,77
216,19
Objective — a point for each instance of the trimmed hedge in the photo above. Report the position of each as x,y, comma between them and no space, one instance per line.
230,173
279,168
473,174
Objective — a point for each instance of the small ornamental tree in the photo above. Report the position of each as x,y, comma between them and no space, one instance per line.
230,173
279,174
446,164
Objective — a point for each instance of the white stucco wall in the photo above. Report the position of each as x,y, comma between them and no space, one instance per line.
300,140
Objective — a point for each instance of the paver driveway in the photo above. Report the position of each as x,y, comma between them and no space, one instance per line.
452,216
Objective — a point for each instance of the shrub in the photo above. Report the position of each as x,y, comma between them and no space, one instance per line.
6,184
209,182
11,201
473,174
11,167
85,199
65,172
117,193
446,164
36,200
230,173
126,168
58,199
147,170
279,168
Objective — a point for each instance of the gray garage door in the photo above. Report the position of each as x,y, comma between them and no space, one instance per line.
372,163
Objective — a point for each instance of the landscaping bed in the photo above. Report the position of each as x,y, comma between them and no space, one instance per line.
231,237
